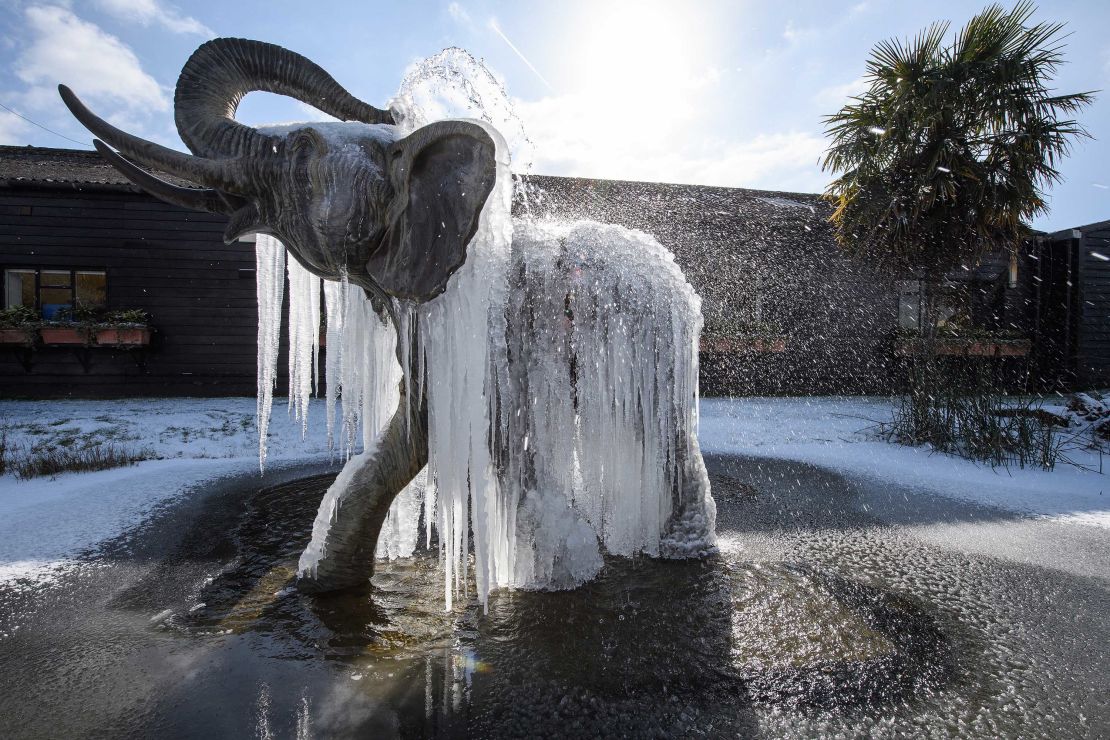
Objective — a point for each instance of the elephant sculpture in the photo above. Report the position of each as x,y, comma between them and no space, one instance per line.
350,200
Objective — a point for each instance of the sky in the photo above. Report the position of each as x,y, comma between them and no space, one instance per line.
697,91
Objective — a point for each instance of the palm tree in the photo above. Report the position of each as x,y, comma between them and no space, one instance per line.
946,154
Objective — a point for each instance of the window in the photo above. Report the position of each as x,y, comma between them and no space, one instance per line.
958,306
49,291
909,305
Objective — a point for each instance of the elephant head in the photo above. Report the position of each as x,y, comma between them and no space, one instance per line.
353,197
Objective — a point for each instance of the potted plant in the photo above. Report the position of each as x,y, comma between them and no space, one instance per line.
124,328
18,325
72,326
725,335
965,342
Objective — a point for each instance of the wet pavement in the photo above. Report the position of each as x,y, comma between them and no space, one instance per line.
836,607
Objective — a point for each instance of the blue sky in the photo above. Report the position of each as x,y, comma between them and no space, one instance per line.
721,93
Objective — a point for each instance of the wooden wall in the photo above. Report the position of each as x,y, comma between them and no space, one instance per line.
734,245
1093,347
199,293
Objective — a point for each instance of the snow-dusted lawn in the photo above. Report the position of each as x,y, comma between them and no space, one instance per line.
44,521
832,433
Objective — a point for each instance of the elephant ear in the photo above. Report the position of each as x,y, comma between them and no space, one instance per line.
441,175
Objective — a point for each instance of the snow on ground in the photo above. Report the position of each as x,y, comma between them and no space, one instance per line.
834,433
46,521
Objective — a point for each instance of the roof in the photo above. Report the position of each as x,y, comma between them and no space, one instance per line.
735,245
38,166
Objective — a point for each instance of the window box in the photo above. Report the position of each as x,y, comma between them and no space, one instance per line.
965,347
770,344
123,336
72,335
17,337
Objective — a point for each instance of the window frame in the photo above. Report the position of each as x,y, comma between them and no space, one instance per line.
39,269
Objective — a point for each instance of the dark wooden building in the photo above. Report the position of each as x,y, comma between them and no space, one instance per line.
1071,285
786,311
72,228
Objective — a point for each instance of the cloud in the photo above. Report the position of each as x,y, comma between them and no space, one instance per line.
836,96
629,144
13,129
97,65
151,12
460,15
795,36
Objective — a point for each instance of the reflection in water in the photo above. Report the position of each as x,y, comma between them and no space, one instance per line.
649,644
815,621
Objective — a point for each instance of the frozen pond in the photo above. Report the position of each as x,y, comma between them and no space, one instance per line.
834,607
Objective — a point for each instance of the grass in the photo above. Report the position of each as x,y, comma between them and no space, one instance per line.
52,460
986,427
959,411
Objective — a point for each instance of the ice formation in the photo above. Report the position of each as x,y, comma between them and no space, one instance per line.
561,379
269,255
304,340
560,374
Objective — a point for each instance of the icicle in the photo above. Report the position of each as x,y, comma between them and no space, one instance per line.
462,337
304,340
270,284
334,303
560,373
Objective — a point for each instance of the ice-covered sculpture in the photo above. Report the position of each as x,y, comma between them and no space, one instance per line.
545,374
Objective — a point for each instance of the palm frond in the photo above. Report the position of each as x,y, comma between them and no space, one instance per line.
951,146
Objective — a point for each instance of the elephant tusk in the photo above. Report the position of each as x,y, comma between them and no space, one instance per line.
207,172
195,199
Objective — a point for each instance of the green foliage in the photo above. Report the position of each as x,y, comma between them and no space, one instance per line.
127,317
98,316
79,314
19,317
947,152
733,326
973,420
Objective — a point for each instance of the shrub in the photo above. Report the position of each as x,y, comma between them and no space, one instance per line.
959,412
60,459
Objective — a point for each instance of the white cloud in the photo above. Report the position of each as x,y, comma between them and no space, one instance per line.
151,12
577,136
98,66
460,15
796,36
13,129
836,96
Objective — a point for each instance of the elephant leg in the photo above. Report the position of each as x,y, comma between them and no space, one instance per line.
345,533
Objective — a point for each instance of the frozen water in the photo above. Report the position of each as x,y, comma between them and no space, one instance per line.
562,394
453,84
559,369
304,340
270,278
462,334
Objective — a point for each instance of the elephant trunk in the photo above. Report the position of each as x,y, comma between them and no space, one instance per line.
219,75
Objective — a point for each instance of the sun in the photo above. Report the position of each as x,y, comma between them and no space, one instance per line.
630,52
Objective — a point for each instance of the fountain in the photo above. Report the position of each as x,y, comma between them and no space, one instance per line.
528,389
515,401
